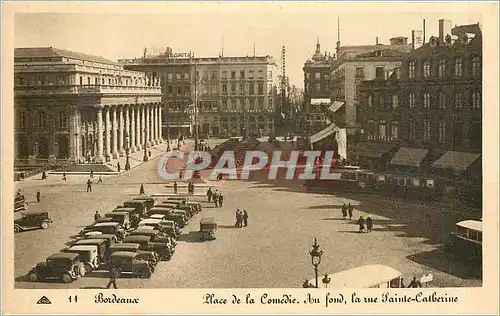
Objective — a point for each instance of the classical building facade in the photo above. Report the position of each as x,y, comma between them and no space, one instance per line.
234,95
78,107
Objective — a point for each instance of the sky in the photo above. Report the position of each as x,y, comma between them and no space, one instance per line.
202,30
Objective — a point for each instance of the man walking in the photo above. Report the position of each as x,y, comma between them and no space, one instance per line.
64,176
209,195
91,174
350,210
369,224
221,199
97,216
100,180
238,219
215,197
245,218
89,185
344,211
118,166
141,190
361,223
114,273
175,187
38,196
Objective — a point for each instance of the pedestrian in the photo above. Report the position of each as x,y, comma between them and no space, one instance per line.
241,219
245,218
237,224
361,223
118,166
38,196
64,176
175,187
114,273
100,180
97,216
91,174
415,283
141,189
350,210
89,185
344,211
369,224
44,175
215,197
221,199
192,188
149,153
209,195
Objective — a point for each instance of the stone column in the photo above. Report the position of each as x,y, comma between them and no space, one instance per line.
147,114
114,129
74,135
160,125
120,132
132,128
154,126
108,133
99,157
142,125
138,128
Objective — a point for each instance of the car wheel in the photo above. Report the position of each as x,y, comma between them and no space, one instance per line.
44,225
33,276
66,278
146,274
82,270
88,267
17,229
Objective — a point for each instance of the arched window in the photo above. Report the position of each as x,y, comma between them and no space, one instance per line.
427,69
411,69
476,66
441,67
458,67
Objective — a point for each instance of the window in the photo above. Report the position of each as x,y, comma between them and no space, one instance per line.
213,75
224,89
411,100
317,87
233,104
233,74
170,90
427,68
186,91
458,100
476,66
394,130
270,104
242,88
379,73
427,130
382,101
242,74
81,80
269,88
250,74
270,75
382,129
395,101
40,122
233,88
427,100
317,75
224,74
442,131
186,76
411,69
458,67
96,81
242,103
252,104
476,100
261,104
170,76
252,89
260,89
224,105
179,91
21,120
360,72
62,120
205,75
178,76
411,131
307,76
441,100
370,101
458,130
261,74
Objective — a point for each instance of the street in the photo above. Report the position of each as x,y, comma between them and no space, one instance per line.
272,252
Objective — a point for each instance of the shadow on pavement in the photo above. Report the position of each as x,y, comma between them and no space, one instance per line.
227,226
192,236
93,288
334,219
325,207
349,231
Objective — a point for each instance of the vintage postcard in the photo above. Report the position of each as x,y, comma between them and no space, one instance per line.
249,158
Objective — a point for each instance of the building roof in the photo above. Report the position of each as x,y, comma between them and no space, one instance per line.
381,53
51,52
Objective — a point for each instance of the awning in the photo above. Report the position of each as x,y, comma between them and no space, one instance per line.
407,156
369,149
335,106
323,134
456,160
320,101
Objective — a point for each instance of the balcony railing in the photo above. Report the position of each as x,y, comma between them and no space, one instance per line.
86,89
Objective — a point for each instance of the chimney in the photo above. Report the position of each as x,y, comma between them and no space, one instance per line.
416,39
444,29
376,41
423,26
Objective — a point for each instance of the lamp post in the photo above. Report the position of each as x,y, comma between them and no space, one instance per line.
316,258
127,152
145,158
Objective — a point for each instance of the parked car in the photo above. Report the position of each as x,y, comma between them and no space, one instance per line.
90,228
88,254
31,220
146,243
128,262
65,267
101,244
196,206
123,218
150,201
171,228
208,227
112,228
180,199
157,216
134,214
139,205
156,236
150,256
110,239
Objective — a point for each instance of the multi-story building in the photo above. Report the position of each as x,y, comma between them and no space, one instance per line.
317,86
235,96
78,107
355,64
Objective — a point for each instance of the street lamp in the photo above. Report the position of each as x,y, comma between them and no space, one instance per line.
127,152
145,158
316,258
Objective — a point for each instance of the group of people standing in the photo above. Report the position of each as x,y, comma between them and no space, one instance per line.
347,212
241,218
216,197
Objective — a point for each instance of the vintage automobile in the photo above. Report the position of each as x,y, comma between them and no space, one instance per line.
146,243
150,256
88,254
157,216
139,205
150,201
134,215
62,266
171,203
183,213
129,262
112,228
101,244
180,199
110,239
19,204
466,242
196,206
153,222
31,220
120,217
90,228
208,227
171,228
156,236
169,215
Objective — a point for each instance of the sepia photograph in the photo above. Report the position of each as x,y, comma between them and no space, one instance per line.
272,148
